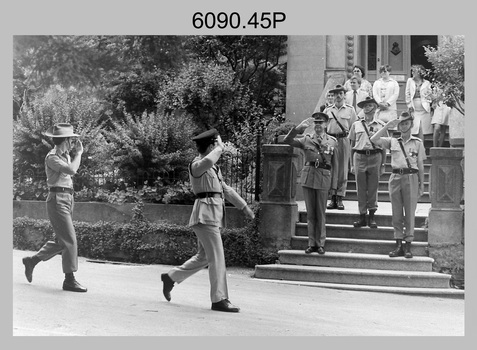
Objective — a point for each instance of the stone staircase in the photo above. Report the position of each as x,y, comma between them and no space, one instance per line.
357,258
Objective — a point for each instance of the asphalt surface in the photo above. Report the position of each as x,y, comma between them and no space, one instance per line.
126,300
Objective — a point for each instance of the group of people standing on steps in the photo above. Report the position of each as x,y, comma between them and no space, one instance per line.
353,132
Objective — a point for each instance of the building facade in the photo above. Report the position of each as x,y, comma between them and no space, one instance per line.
318,62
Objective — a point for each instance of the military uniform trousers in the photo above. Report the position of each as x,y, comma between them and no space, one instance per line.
403,192
59,206
210,253
367,168
315,200
343,153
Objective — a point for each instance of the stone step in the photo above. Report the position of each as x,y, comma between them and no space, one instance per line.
382,186
341,217
383,196
348,231
355,261
390,278
429,292
360,246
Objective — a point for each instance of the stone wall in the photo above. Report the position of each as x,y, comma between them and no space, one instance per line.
97,211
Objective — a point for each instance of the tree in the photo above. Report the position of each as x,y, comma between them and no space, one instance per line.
211,95
257,62
448,69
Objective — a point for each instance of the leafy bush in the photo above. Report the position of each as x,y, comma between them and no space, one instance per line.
144,242
80,108
150,144
448,61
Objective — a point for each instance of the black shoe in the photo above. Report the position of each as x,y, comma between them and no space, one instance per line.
339,204
29,266
311,250
225,305
399,251
72,285
407,250
332,204
372,223
361,222
321,250
168,284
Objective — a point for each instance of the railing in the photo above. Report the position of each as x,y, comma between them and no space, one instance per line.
239,171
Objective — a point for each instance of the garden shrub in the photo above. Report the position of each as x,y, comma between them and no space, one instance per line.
140,241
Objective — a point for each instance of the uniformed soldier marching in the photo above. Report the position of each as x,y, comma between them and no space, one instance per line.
342,116
317,176
367,161
406,183
60,168
208,215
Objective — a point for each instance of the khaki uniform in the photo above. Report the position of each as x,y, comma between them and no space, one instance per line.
318,176
404,188
59,206
367,163
208,215
346,115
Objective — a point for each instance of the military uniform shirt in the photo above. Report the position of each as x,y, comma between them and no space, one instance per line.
312,176
58,170
414,149
346,115
360,137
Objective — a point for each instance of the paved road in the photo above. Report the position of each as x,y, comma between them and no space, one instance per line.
126,300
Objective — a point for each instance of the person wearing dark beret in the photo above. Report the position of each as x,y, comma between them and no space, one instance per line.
208,216
406,183
318,175
59,169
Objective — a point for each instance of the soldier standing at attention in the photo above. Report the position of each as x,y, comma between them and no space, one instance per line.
406,183
342,116
317,176
367,161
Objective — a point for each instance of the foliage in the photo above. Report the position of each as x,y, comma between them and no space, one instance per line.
134,92
256,62
140,241
80,108
448,61
100,62
150,144
210,95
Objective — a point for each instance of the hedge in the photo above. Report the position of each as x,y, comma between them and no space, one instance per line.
144,242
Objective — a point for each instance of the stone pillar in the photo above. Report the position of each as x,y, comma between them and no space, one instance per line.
446,217
278,208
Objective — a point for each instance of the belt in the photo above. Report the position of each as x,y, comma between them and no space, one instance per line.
405,171
341,134
319,165
61,189
368,151
209,194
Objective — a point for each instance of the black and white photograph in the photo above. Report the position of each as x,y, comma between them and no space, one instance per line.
230,174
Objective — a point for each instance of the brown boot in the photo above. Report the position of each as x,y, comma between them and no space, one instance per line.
371,221
407,250
361,222
398,251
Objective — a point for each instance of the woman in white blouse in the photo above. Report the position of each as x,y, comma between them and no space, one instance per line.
418,100
385,93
